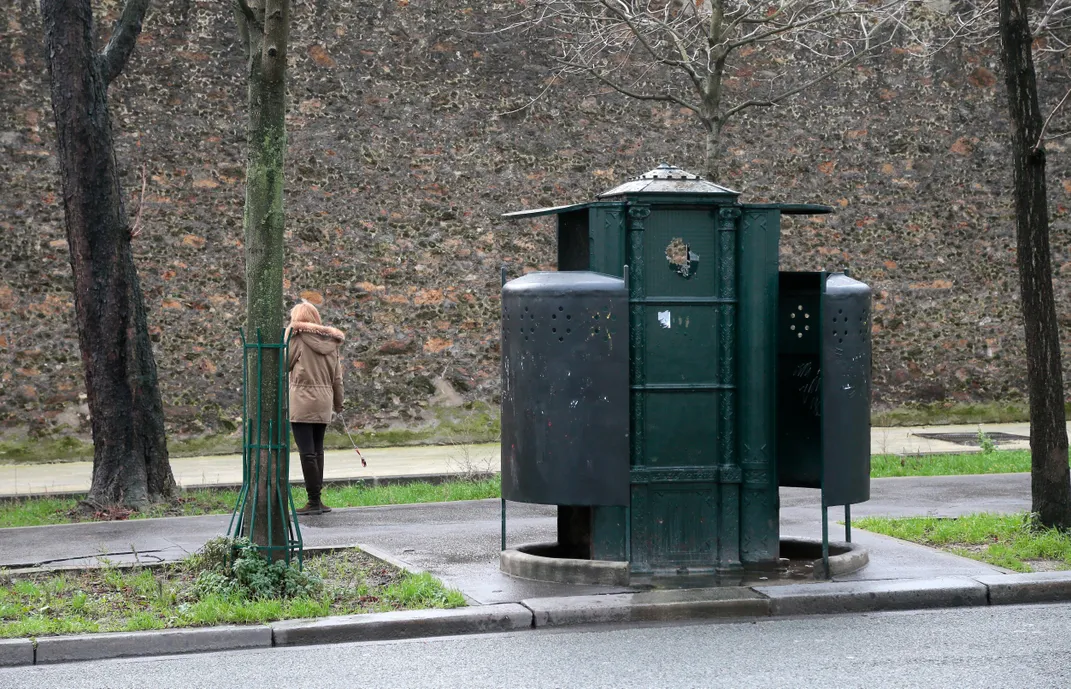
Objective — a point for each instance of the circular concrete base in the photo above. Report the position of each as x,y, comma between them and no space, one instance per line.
544,562
844,558
547,562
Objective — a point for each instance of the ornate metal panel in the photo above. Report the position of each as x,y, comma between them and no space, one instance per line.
683,303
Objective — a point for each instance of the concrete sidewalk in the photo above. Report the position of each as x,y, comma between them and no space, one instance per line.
390,462
226,470
459,541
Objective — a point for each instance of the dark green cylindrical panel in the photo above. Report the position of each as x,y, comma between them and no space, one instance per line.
756,328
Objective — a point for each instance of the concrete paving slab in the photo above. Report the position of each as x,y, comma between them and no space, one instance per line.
64,649
192,472
16,652
1036,587
873,596
88,543
649,606
406,624
909,440
459,542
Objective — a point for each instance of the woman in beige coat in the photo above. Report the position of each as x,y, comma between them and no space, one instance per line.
315,393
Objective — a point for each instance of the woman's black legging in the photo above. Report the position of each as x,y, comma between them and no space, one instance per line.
309,437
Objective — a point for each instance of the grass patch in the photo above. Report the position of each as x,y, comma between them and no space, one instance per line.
996,462
111,600
42,511
1010,541
36,451
941,413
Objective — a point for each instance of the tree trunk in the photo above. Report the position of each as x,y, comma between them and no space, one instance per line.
1050,483
264,227
713,152
130,462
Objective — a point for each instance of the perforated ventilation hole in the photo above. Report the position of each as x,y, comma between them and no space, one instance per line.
553,316
561,308
568,317
526,308
554,330
561,339
568,330
791,327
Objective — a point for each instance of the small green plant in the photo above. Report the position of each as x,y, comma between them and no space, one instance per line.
214,555
986,442
237,568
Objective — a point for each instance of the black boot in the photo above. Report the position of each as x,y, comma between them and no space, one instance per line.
320,465
311,471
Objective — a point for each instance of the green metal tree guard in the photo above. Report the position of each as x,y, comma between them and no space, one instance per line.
270,479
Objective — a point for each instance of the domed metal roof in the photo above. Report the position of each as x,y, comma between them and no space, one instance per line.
668,179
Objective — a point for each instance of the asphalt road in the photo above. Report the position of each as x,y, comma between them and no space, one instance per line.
1025,646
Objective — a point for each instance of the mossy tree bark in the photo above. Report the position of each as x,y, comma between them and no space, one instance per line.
264,29
130,461
1049,475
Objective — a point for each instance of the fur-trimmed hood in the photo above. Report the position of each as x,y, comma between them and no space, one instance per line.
323,339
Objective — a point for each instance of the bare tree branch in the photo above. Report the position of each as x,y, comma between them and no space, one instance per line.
1044,127
123,39
136,229
686,51
664,97
249,15
774,100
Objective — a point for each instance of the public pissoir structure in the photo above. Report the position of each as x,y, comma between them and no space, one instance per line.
664,383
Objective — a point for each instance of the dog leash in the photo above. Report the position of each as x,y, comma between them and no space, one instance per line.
352,441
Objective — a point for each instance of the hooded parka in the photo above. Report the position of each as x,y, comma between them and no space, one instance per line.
315,372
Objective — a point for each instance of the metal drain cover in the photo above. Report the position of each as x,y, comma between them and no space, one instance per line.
971,439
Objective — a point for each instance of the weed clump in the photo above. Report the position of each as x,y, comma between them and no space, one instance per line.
236,568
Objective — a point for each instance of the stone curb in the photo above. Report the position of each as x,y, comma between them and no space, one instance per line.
405,624
1039,587
652,606
64,649
874,596
16,652
819,598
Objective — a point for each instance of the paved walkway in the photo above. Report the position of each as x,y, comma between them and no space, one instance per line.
193,472
459,542
222,470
